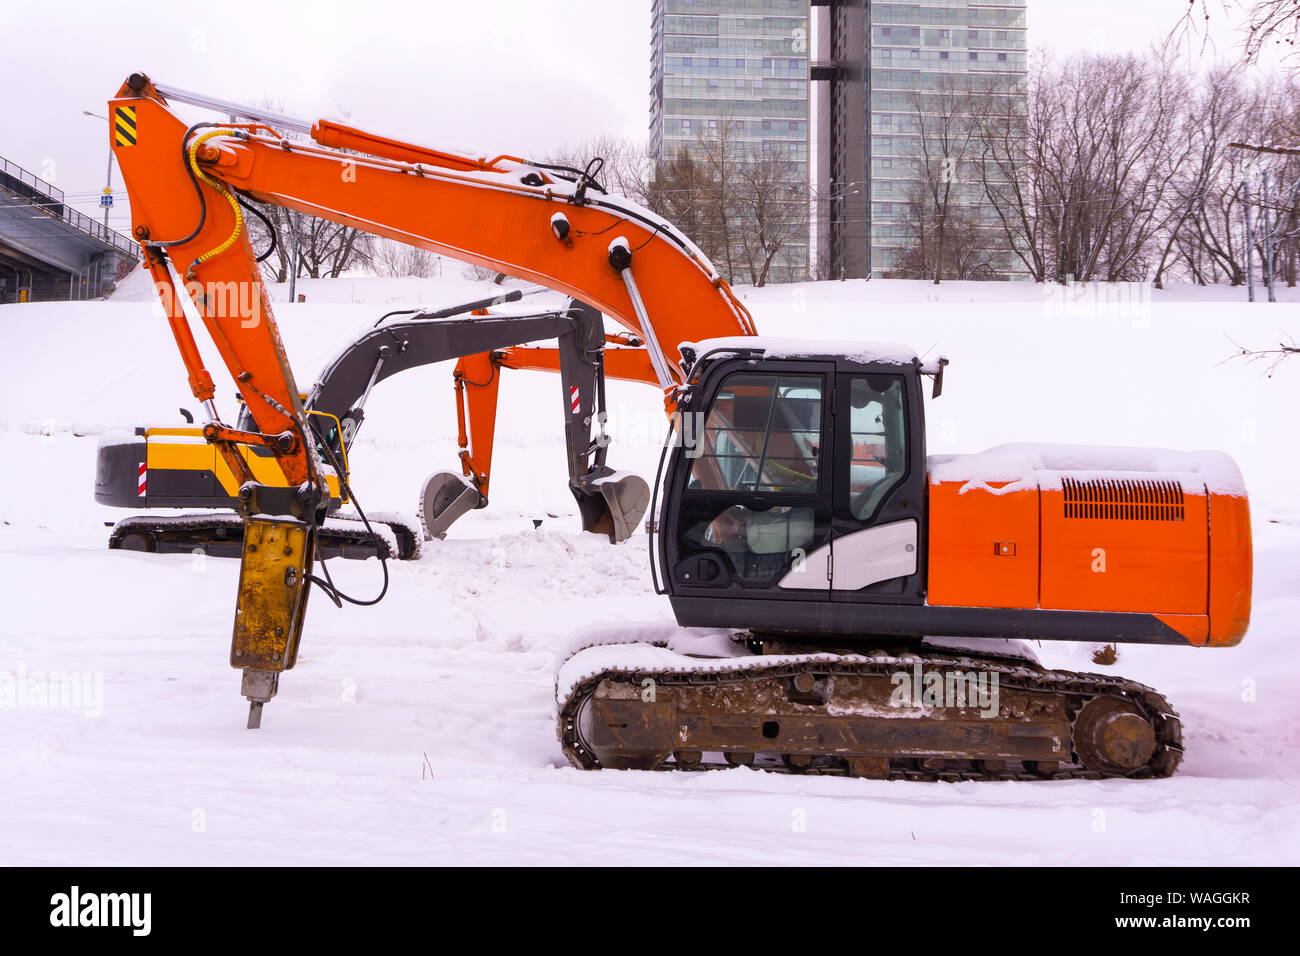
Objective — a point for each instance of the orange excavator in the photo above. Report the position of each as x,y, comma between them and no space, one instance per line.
867,599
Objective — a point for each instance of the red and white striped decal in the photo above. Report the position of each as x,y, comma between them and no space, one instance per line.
140,483
575,399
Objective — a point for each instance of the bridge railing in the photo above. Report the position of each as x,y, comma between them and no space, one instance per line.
49,200
30,179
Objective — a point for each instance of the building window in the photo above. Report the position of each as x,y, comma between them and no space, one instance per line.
944,34
886,54
885,31
943,54
974,56
740,63
916,54
1002,34
1002,58
767,124
794,126
886,164
972,34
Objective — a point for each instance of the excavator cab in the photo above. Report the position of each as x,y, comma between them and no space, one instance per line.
794,479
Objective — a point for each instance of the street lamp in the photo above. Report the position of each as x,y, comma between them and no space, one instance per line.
108,181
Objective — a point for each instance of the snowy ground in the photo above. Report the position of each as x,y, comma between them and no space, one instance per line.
457,663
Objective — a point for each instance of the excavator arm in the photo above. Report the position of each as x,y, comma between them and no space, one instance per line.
186,184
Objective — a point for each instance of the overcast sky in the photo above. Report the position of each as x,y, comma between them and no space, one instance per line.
507,75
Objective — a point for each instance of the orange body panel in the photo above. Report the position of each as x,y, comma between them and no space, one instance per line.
1231,567
1125,564
983,547
1028,549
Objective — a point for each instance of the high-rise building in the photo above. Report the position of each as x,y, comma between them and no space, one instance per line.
742,64
881,65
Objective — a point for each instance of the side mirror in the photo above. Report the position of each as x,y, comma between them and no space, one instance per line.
936,371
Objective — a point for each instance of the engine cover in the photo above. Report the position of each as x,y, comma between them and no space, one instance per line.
1061,527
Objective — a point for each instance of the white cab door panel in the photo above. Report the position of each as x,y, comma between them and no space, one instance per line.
810,571
873,555
859,560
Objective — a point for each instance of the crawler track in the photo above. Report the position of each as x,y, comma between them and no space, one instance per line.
832,714
222,535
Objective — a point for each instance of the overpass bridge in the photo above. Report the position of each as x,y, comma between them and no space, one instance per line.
50,251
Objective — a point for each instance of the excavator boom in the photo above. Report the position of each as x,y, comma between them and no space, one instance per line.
189,186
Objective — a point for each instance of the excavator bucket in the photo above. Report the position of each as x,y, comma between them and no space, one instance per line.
613,505
446,496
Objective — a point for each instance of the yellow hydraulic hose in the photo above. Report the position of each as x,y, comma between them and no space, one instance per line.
234,204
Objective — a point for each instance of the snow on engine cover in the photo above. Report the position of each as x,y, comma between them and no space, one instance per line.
1060,527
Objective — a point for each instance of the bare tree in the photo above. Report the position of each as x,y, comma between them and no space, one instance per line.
1271,357
745,205
1213,114
774,206
945,199
1084,185
1268,24
719,149
392,259
624,168
678,191
1013,151
325,248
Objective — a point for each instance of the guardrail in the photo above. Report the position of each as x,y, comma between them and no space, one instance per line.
49,200
36,182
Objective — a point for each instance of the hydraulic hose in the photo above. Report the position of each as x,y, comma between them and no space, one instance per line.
220,189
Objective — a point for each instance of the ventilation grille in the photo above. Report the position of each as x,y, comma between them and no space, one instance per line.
1123,500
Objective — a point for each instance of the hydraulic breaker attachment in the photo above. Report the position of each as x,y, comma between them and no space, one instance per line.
445,497
274,578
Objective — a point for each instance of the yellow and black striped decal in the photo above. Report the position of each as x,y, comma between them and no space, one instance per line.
124,126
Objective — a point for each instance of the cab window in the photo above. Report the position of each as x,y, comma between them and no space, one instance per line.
762,434
751,496
878,427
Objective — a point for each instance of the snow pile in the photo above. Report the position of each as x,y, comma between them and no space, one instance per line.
885,353
1043,466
